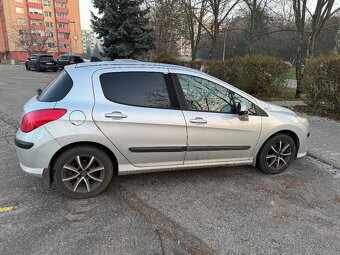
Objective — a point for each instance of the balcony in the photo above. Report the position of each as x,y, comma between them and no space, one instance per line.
64,40
63,30
38,27
65,50
35,16
62,20
34,5
61,9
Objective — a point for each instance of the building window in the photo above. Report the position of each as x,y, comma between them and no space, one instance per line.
51,44
48,14
34,11
19,10
22,32
36,22
35,1
21,22
61,15
49,24
50,34
47,3
19,1
37,32
61,4
64,45
62,25
64,35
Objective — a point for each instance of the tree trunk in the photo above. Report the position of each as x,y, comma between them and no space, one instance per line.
311,45
298,69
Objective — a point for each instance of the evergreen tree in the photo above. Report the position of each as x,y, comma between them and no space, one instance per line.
124,27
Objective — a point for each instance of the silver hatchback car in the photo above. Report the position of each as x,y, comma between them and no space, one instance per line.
129,117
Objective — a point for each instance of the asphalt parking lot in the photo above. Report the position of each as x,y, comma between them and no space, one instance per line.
235,210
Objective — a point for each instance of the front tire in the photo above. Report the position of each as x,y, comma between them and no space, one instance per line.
37,68
27,68
276,154
83,171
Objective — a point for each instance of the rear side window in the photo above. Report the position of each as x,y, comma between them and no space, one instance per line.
57,89
136,88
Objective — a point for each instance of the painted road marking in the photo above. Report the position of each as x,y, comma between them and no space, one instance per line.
6,209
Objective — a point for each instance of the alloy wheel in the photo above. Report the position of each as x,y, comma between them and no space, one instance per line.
83,173
278,155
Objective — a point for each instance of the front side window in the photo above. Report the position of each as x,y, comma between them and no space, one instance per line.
207,96
136,88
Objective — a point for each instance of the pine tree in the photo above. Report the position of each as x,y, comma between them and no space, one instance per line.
124,27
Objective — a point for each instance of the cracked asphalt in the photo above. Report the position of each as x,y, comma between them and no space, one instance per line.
236,210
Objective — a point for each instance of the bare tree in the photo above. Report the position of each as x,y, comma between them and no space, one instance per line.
217,14
31,41
257,20
323,12
194,12
166,16
300,10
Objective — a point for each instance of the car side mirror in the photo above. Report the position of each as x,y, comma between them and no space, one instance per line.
39,92
242,110
29,59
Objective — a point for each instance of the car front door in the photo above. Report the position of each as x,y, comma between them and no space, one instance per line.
32,62
216,133
135,111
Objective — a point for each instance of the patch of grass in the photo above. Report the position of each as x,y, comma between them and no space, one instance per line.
5,62
290,74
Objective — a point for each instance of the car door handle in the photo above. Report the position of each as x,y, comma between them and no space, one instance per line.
115,115
198,120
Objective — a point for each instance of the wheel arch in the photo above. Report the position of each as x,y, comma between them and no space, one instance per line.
288,132
48,175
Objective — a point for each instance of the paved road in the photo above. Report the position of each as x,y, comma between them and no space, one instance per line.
234,210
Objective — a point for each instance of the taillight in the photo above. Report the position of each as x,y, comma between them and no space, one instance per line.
35,119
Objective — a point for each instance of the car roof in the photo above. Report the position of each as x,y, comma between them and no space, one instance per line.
130,63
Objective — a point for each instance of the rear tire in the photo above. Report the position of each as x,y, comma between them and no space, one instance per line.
276,154
83,171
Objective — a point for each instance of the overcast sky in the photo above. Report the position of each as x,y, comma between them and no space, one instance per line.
85,16
86,6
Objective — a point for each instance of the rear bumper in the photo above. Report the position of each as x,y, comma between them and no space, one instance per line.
48,67
35,150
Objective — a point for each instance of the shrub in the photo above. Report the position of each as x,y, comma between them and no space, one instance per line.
321,84
258,75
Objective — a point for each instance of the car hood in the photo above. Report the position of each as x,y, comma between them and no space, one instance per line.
275,108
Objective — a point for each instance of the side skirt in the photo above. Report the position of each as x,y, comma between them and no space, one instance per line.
129,169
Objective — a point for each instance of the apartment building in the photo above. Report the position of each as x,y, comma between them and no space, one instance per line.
88,39
52,25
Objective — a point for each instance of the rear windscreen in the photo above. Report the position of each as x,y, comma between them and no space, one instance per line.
57,89
46,58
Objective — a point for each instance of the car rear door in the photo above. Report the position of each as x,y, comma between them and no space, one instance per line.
136,109
216,133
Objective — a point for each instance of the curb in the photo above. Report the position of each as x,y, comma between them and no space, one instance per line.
324,160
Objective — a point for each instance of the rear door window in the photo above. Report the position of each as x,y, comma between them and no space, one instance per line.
145,89
57,89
